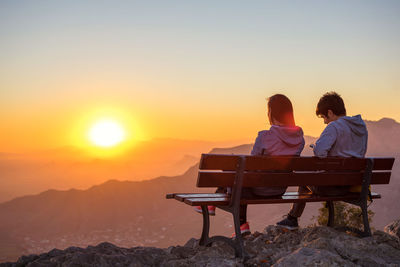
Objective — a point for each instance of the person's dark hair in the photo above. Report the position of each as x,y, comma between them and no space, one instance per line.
281,109
332,101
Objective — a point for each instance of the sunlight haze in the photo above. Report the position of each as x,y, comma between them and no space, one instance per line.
190,70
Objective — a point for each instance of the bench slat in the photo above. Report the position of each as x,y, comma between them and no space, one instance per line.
303,164
260,179
288,197
215,201
383,163
182,197
218,162
307,198
229,162
314,163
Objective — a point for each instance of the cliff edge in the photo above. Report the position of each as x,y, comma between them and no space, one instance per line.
311,246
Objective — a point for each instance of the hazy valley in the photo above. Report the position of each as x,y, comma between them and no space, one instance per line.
70,167
136,213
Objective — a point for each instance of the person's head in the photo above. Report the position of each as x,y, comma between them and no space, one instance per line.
280,111
330,107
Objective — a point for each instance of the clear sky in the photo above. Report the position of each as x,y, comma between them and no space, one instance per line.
189,69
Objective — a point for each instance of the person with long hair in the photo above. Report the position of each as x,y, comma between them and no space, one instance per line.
283,138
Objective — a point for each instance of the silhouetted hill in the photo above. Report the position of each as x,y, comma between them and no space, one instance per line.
242,149
130,213
383,137
69,167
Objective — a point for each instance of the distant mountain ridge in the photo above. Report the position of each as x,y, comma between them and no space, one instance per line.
130,213
383,137
70,167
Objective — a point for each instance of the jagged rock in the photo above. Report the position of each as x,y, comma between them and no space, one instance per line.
312,257
313,246
181,252
192,243
393,228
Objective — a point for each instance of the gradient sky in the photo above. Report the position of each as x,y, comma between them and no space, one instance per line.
189,69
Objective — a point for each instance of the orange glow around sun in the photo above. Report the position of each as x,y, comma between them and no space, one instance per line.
106,131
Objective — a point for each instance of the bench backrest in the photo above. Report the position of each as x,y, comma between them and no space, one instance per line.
218,170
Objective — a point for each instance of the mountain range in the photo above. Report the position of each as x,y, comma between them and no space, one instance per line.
70,167
136,213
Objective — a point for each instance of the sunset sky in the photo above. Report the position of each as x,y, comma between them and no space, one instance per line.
198,70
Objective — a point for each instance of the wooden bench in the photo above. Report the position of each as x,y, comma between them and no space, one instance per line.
237,171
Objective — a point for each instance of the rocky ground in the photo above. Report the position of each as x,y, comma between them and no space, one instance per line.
313,246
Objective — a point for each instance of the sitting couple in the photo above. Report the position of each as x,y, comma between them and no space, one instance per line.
343,136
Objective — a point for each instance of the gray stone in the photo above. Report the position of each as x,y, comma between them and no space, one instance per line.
181,252
192,243
312,257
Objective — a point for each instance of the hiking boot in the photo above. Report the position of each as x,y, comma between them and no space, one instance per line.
211,210
289,223
244,229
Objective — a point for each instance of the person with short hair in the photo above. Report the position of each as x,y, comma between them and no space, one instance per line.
344,136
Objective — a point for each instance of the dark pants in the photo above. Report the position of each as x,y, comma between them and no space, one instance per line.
298,208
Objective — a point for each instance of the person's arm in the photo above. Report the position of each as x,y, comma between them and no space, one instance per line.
258,148
325,141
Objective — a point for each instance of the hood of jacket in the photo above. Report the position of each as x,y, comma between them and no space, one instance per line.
355,123
291,136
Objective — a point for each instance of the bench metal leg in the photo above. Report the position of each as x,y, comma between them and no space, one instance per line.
204,240
234,209
331,213
364,195
364,210
236,244
239,248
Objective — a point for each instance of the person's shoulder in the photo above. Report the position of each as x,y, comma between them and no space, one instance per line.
266,132
267,135
262,132
333,125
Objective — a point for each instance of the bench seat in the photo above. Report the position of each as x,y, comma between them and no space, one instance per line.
218,199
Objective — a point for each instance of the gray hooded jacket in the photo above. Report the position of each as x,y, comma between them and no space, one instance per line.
277,141
345,137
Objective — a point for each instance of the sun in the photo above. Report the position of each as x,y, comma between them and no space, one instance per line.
106,133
